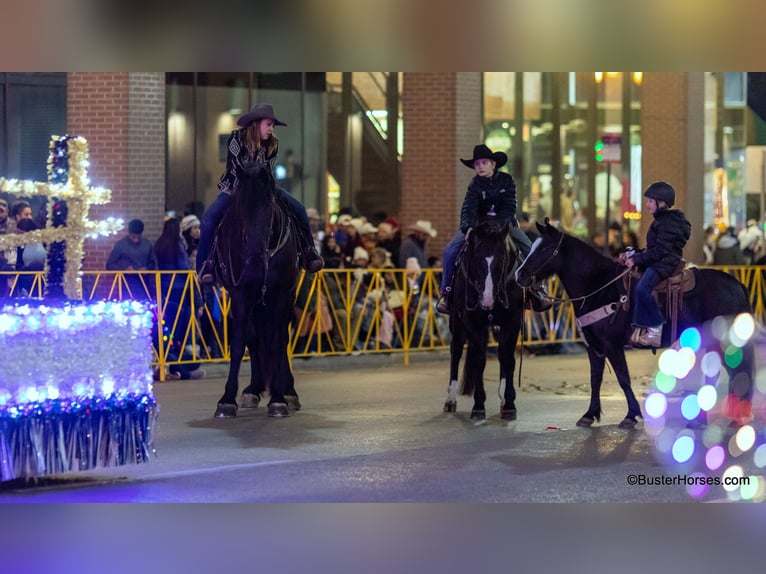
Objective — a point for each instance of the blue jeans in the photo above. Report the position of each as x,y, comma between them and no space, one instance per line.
449,256
645,311
214,214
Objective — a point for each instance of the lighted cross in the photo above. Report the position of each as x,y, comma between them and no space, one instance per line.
78,195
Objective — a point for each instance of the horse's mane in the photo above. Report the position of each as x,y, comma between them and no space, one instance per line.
593,267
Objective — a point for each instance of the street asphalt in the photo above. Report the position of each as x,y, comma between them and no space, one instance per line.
372,430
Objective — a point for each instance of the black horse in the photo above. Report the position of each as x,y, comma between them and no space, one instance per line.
257,252
592,281
484,296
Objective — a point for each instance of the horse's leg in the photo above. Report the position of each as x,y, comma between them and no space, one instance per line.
291,396
597,363
506,354
252,395
456,352
275,346
227,404
619,364
473,371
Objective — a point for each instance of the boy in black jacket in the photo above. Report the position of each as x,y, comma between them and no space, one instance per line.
665,243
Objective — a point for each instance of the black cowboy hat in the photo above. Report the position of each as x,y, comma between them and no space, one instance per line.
259,112
483,152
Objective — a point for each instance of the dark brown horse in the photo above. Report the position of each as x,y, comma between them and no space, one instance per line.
484,297
256,253
591,280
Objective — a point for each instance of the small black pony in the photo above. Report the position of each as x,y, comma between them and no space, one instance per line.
485,296
257,253
592,281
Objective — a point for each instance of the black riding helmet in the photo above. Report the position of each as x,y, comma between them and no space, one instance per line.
661,191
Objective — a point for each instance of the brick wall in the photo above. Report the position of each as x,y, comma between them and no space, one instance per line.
442,118
672,137
122,116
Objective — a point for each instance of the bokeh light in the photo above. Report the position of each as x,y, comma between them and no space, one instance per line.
691,338
689,407
707,397
664,382
742,329
711,364
683,448
714,457
711,421
655,405
745,438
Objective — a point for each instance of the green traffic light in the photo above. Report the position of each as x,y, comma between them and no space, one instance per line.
599,146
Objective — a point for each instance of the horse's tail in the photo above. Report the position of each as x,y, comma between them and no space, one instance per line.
467,385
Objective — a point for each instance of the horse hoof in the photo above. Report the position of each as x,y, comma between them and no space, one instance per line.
585,422
478,415
627,423
450,407
249,401
278,410
508,414
226,411
293,402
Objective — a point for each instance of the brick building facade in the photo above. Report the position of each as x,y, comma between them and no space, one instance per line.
122,115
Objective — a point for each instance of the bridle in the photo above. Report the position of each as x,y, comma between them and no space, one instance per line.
553,254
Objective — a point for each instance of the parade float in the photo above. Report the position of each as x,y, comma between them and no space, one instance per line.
76,378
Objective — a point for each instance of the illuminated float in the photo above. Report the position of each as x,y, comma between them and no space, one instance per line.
76,378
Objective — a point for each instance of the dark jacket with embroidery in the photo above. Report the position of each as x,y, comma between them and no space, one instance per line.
496,193
237,157
665,242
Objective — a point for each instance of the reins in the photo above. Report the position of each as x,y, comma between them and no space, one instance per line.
553,254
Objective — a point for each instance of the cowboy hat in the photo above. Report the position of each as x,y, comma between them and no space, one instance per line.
424,227
344,219
367,228
483,152
259,112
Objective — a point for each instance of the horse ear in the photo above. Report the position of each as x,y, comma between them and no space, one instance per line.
540,228
547,221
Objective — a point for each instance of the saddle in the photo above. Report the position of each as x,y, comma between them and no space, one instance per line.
681,281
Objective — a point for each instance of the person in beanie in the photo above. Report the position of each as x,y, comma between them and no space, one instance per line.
665,241
490,191
253,142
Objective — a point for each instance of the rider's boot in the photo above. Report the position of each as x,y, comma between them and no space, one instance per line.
311,261
443,304
205,275
538,299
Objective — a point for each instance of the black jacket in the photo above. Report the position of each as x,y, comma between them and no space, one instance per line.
484,193
665,242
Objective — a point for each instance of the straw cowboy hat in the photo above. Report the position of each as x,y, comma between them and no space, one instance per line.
483,152
259,112
367,227
424,226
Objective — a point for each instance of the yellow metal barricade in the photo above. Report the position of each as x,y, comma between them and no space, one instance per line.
337,311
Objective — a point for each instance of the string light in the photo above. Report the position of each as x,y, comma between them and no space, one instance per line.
68,187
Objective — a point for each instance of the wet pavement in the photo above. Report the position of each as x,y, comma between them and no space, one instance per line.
373,430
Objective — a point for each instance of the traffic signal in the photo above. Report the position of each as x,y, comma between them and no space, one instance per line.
598,150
